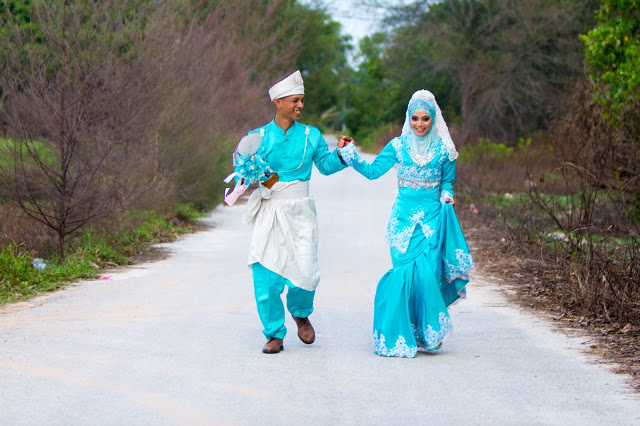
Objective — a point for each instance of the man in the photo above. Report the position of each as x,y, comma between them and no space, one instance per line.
284,237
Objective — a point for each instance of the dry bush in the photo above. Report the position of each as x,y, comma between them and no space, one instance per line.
380,137
576,231
574,223
116,105
18,228
80,110
224,66
599,210
503,168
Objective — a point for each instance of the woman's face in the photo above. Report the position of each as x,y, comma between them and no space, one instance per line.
421,122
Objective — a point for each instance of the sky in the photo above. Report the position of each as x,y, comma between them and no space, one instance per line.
357,19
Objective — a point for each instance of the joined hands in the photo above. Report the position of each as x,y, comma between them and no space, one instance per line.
344,141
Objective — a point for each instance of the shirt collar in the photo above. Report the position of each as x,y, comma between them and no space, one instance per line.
278,130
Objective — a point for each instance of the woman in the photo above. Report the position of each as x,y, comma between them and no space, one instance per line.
430,256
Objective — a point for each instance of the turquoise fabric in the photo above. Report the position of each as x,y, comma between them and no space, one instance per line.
410,308
418,198
424,105
284,152
268,286
291,155
430,256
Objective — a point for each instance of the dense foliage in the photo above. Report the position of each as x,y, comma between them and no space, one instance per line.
613,52
497,68
111,105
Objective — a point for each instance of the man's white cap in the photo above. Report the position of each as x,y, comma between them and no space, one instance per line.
292,85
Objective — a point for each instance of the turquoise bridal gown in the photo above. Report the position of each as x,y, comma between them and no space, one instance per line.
431,259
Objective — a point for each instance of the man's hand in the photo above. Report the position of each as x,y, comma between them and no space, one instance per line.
344,141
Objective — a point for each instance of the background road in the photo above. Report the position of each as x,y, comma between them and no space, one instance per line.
179,341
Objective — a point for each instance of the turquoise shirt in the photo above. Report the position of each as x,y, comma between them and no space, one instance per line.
293,154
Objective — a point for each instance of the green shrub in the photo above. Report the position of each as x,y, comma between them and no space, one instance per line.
187,212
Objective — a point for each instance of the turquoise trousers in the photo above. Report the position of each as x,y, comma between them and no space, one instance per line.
268,287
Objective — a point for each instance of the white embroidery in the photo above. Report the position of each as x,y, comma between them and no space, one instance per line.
397,145
433,338
421,160
399,235
416,173
428,231
444,195
417,217
401,349
399,238
429,338
459,269
349,155
403,183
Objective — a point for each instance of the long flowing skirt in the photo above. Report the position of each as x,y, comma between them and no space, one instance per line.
412,298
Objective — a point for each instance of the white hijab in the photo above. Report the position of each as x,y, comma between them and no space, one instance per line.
423,99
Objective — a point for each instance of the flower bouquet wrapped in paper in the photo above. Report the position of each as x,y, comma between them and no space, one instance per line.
249,167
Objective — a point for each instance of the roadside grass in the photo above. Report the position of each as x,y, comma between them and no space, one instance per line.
188,212
20,279
5,160
90,252
10,146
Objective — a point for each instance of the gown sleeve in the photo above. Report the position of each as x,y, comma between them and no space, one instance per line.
381,165
326,161
446,182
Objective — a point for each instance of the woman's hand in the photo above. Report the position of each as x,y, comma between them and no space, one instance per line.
450,201
344,141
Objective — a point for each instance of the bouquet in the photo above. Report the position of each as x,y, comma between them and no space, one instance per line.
249,167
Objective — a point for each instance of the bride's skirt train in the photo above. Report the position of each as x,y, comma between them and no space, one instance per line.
411,300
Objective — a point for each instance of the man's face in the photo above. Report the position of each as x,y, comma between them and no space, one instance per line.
290,107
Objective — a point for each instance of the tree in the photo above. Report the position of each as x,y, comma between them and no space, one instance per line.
321,56
372,94
496,67
77,97
612,52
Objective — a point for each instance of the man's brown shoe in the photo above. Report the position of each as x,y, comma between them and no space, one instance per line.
305,330
273,346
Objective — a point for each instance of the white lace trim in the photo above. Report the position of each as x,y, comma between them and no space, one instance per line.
399,238
444,195
459,269
413,175
405,183
350,155
401,349
429,337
